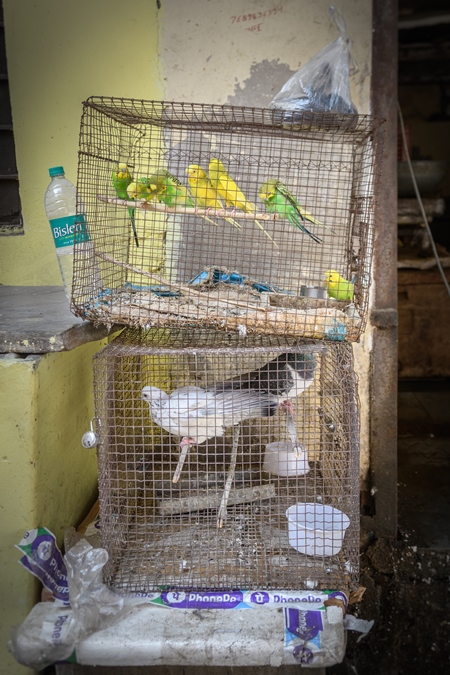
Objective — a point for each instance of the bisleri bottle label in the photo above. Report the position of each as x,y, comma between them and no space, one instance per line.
69,230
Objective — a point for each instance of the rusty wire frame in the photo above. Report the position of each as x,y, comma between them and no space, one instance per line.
161,533
216,267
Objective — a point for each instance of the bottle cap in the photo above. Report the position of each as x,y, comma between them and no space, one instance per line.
56,171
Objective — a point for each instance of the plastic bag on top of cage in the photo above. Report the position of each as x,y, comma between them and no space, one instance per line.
322,85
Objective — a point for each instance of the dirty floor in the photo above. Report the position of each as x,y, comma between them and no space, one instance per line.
407,580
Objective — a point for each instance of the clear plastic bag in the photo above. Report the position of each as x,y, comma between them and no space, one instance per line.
322,85
51,630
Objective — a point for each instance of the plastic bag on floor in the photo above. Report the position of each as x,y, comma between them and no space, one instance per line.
51,630
322,85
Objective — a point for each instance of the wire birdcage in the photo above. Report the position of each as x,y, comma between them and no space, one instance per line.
226,217
195,505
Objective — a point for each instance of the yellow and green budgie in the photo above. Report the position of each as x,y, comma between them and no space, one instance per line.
140,190
121,179
338,287
204,193
230,192
168,190
278,199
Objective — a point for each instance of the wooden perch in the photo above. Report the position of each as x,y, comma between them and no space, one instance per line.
194,211
198,503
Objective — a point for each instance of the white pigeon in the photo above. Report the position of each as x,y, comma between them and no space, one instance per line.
197,415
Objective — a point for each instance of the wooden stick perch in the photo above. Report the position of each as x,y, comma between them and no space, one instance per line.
199,503
222,514
195,211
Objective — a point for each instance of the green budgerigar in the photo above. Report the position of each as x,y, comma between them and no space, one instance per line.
168,190
278,199
121,178
139,189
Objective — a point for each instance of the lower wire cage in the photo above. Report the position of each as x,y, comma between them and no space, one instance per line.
206,440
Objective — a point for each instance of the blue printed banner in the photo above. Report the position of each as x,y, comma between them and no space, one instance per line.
44,559
303,638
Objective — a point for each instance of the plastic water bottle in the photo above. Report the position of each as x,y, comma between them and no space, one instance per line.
67,226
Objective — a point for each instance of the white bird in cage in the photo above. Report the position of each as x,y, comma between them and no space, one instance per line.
198,415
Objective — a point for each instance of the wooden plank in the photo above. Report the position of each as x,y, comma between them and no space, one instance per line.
409,277
424,335
408,210
213,501
383,384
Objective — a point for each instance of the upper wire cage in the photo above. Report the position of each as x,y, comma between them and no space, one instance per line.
253,220
193,493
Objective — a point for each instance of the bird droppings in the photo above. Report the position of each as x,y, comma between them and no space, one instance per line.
227,513
235,309
409,604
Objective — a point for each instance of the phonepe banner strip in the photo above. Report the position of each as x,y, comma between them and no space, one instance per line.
179,599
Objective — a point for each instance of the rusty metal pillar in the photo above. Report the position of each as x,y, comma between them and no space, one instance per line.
383,376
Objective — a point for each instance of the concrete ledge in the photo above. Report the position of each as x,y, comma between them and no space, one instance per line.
38,320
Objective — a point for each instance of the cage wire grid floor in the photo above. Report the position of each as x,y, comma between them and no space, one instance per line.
181,246
160,533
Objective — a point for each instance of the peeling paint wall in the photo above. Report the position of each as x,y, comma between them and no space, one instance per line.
242,52
47,478
218,52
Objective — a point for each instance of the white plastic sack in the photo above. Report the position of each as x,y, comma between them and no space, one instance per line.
51,630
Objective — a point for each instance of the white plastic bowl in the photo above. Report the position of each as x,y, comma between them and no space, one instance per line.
316,529
282,459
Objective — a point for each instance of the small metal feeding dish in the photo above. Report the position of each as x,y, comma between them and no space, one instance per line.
184,421
218,216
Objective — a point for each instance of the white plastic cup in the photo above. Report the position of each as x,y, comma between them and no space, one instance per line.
316,529
282,459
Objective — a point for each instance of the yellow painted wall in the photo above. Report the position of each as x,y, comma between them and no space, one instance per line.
17,496
59,53
47,477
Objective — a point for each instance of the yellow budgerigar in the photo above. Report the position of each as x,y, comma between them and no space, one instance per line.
168,190
338,287
203,192
230,192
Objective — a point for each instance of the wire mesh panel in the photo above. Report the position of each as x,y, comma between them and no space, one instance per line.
228,464
249,219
